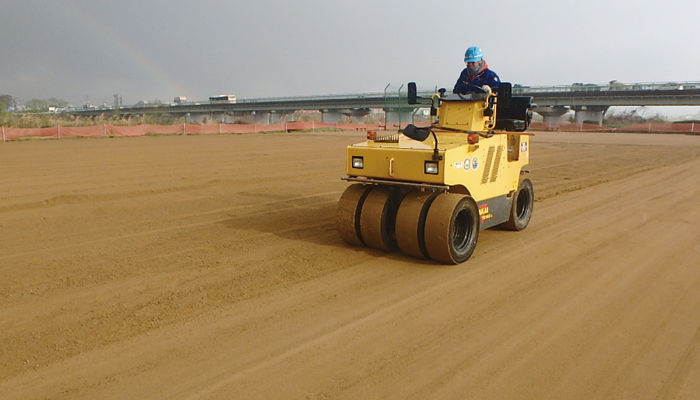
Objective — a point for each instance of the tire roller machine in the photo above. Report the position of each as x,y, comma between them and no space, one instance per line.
429,191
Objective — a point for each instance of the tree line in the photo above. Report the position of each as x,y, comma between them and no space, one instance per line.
34,105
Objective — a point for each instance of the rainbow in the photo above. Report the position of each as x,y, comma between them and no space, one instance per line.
170,85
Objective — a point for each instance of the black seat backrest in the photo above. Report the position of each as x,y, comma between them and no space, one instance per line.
510,109
505,93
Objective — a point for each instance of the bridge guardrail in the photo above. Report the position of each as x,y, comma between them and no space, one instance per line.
690,90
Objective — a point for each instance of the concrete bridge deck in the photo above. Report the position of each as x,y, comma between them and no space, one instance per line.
589,101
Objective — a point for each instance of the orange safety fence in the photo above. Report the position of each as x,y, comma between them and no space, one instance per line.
569,127
685,127
84,131
195,129
658,127
180,129
19,133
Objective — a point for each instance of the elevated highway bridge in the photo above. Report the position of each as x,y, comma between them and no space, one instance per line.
588,101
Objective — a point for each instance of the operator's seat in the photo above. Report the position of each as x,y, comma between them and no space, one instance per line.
512,113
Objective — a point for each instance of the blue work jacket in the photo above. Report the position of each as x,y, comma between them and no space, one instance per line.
485,77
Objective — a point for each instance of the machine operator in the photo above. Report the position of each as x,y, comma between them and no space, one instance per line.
477,73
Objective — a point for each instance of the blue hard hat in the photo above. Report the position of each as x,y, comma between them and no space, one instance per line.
473,54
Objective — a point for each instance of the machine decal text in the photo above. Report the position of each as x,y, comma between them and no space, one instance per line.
484,212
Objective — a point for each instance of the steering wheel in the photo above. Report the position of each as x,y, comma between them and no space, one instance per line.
470,88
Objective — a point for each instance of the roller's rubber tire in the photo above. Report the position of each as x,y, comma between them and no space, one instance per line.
347,217
522,207
452,228
410,222
377,219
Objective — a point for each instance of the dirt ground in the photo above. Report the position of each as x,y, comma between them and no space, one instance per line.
208,267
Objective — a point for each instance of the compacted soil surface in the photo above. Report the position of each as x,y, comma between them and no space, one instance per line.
209,267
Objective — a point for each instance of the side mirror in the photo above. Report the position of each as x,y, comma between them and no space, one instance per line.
415,133
412,93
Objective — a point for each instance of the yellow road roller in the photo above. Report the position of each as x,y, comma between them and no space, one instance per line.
428,191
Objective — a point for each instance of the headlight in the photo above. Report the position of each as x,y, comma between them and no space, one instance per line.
358,162
431,167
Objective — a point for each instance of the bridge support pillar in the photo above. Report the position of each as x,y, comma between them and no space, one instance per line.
552,114
197,118
590,113
331,116
270,117
397,116
219,117
359,113
335,116
260,117
231,118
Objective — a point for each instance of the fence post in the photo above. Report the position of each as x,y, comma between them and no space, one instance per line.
285,128
3,134
692,126
59,131
313,126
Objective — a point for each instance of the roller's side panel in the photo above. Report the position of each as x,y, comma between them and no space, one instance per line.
494,211
490,169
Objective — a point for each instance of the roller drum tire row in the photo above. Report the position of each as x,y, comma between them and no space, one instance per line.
410,223
366,216
376,219
437,226
347,217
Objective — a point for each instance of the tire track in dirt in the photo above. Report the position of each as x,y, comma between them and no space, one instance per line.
192,225
681,377
252,305
448,289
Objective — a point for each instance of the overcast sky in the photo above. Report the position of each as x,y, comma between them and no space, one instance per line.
158,49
